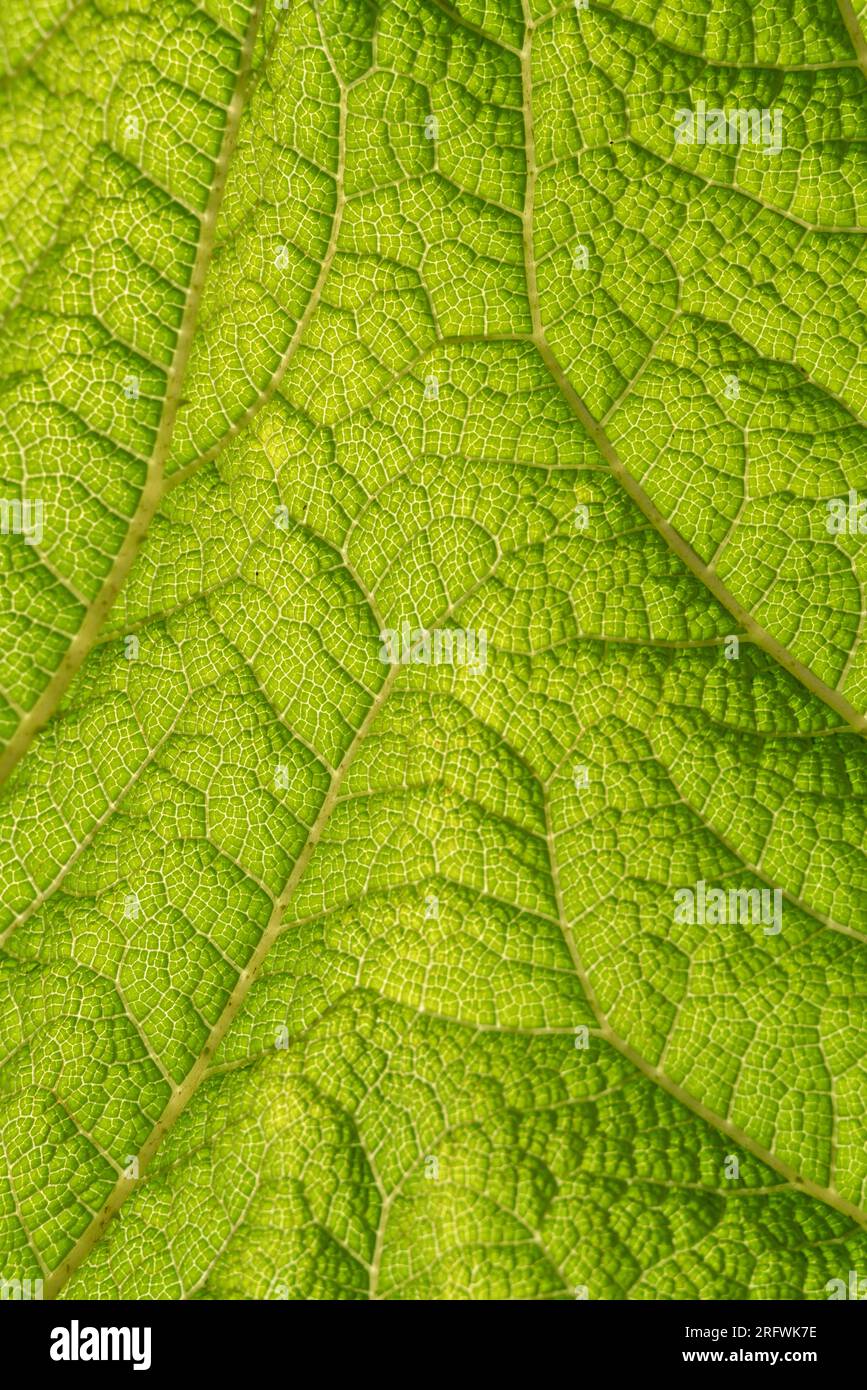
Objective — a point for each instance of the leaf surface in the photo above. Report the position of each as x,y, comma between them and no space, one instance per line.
330,977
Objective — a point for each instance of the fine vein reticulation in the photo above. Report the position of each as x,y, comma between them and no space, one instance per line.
332,976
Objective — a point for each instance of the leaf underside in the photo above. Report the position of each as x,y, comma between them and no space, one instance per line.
330,977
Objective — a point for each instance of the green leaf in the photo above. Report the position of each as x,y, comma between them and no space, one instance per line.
343,963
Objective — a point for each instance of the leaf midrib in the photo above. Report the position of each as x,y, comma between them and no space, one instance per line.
672,537
157,484
183,1093
855,32
154,487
